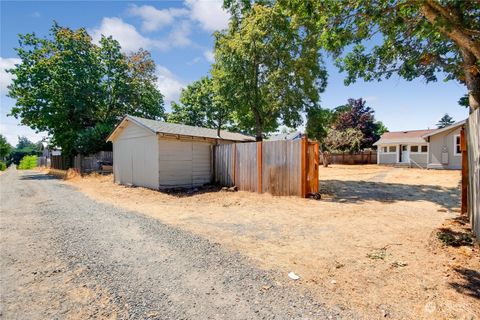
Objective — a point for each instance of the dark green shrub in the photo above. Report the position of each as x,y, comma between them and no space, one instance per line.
3,166
27,162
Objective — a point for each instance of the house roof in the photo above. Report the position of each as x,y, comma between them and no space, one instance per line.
413,136
179,129
286,136
450,127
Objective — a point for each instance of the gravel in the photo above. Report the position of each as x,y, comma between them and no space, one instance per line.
64,255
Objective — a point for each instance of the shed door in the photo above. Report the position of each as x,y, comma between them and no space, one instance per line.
175,160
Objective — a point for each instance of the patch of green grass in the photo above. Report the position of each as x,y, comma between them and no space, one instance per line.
454,239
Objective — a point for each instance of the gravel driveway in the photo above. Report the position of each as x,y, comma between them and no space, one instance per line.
64,256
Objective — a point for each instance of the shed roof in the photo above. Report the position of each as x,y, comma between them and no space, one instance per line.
179,129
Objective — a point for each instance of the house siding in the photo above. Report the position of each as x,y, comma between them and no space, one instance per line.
420,158
135,157
387,158
441,142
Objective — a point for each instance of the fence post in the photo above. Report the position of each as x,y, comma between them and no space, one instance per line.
259,166
463,148
303,168
317,164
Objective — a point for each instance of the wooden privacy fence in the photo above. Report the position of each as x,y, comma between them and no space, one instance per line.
283,168
90,163
364,157
470,143
58,162
43,161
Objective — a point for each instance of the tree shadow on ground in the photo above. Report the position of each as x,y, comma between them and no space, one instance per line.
358,191
37,177
471,284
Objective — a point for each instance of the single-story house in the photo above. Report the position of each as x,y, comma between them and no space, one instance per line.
286,136
431,149
161,155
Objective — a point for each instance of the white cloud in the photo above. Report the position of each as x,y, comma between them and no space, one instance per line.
194,61
210,14
131,40
6,78
126,34
155,19
208,54
179,35
168,84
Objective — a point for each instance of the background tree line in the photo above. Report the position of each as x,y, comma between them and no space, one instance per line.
268,70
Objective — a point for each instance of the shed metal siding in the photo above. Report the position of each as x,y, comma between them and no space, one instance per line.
135,155
184,163
440,142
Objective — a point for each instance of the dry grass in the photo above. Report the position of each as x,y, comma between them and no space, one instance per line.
370,245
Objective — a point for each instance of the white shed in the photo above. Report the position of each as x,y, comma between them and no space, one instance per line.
162,155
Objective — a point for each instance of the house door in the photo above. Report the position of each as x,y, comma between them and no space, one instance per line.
404,154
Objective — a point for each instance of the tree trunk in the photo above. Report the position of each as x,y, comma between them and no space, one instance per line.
472,78
258,125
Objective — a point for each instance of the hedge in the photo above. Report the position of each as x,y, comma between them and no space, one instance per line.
27,162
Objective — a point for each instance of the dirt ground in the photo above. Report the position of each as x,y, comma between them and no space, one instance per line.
372,244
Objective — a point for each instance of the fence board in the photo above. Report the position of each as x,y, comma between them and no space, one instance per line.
473,152
364,157
59,162
246,166
274,167
90,163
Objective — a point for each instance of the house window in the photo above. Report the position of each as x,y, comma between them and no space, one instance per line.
456,146
384,149
413,148
424,149
392,149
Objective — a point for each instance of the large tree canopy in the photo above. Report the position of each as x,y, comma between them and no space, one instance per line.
376,39
267,69
201,106
330,127
77,90
357,115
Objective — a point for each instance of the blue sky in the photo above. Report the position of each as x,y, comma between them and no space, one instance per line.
179,36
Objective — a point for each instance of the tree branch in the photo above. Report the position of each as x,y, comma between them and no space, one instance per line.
433,11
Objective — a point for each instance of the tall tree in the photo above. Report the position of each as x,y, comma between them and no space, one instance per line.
381,128
77,90
359,116
267,69
348,140
25,144
5,147
445,121
201,106
376,39
319,121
